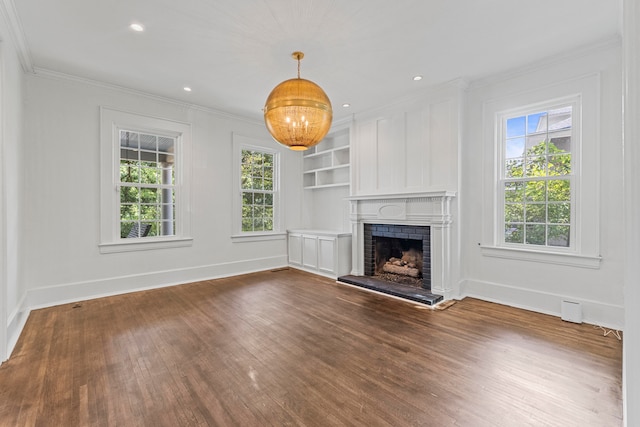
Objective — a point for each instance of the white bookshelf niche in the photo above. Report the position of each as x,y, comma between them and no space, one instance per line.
327,164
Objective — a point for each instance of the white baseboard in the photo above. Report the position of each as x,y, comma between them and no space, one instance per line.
15,324
79,291
593,312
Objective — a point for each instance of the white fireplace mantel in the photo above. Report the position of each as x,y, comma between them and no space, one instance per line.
424,208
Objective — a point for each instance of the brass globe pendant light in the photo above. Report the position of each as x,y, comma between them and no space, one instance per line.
298,113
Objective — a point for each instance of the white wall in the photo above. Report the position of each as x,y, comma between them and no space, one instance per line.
326,209
60,259
411,146
539,285
11,91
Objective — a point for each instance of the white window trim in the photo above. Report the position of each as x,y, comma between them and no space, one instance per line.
111,122
585,186
246,143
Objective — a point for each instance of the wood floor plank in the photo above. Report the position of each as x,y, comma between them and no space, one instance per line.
288,348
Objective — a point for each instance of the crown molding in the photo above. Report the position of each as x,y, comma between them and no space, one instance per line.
56,75
16,33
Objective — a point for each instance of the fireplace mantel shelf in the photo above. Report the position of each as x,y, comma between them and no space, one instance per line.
423,194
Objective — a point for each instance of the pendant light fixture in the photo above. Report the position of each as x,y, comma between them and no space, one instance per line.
298,113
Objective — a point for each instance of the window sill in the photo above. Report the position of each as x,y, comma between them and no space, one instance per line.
256,237
560,258
144,245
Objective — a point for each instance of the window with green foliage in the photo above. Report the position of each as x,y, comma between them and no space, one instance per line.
536,177
258,187
147,185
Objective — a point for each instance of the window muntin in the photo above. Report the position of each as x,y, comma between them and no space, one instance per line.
258,188
147,184
536,179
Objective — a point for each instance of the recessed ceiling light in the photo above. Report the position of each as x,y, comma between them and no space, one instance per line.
137,27
417,78
346,105
187,89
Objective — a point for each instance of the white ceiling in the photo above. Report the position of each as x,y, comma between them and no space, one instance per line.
364,52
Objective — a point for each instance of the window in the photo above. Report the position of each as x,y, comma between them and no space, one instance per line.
542,199
256,201
257,187
537,177
145,191
147,185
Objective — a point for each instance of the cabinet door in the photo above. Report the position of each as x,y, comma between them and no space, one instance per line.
326,254
295,249
310,252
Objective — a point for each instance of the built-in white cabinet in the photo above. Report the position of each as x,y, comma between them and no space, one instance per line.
318,251
327,164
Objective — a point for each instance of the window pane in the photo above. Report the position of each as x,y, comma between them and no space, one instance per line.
536,166
154,230
515,148
560,165
149,195
513,192
514,168
559,213
560,145
537,123
129,171
268,185
129,194
559,235
247,198
535,234
128,139
247,224
536,213
535,191
149,212
515,127
513,233
125,228
536,144
514,213
559,190
148,142
129,212
166,145
257,183
268,199
149,176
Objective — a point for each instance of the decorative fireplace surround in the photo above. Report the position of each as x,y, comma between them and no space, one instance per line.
408,209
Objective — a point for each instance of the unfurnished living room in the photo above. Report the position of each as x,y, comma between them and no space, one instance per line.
319,213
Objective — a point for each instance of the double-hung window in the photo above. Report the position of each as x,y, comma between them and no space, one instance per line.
257,186
257,214
536,185
145,188
147,184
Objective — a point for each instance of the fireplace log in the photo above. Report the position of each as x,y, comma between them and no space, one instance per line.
403,270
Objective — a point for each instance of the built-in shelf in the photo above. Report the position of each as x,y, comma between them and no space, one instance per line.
328,163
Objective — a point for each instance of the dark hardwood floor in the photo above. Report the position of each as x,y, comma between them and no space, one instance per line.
290,348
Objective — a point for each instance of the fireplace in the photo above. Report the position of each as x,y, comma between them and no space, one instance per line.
406,219
398,253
